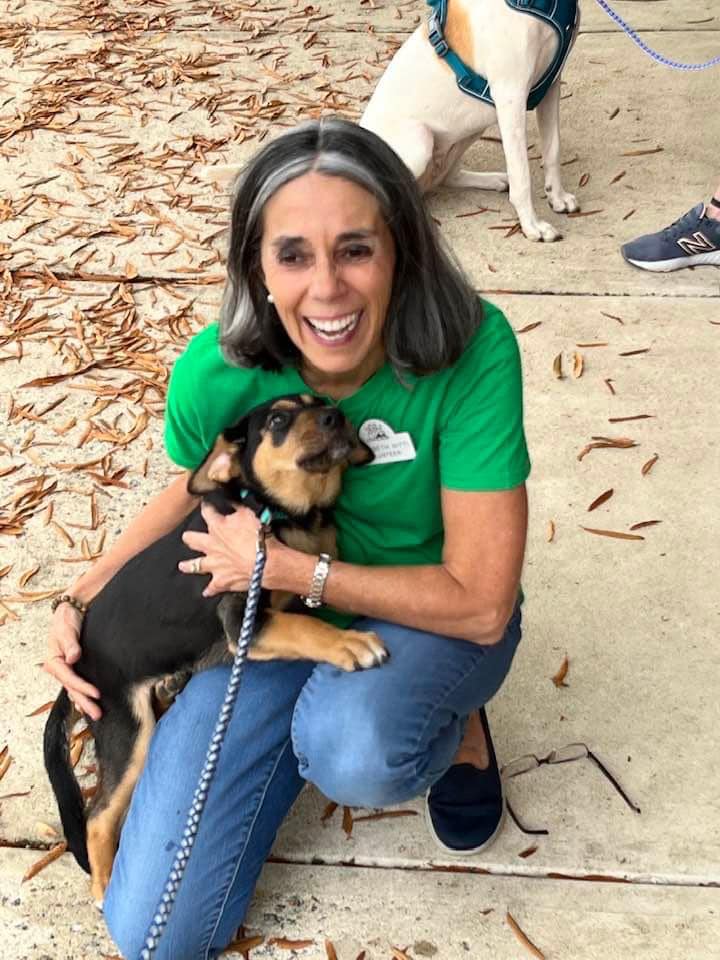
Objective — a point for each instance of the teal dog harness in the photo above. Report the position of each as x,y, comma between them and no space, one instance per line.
561,15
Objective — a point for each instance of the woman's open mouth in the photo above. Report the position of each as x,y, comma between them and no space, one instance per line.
336,331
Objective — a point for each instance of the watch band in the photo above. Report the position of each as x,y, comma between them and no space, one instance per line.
314,598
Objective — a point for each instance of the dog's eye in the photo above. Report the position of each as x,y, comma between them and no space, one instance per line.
278,420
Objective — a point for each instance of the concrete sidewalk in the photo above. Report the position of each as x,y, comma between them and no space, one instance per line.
111,256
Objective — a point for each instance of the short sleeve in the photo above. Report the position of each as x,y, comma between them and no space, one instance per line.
184,441
482,438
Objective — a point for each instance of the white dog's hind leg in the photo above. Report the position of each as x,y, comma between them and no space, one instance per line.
549,123
414,144
480,181
511,104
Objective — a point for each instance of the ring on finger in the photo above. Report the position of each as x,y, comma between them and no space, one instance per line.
195,566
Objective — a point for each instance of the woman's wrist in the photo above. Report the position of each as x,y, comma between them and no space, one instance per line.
288,569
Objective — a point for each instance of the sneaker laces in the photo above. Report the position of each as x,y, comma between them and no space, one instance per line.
681,224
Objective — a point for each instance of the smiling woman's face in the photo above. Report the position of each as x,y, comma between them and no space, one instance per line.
328,259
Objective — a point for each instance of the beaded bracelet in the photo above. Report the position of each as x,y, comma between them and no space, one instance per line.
73,601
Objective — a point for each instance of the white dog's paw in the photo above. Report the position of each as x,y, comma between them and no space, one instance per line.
498,181
539,230
562,202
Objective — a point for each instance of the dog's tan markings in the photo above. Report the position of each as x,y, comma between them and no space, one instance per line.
458,32
307,399
220,466
103,827
294,636
276,468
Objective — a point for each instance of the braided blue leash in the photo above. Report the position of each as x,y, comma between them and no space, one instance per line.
167,901
658,57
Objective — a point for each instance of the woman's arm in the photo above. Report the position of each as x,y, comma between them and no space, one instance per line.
470,595
161,515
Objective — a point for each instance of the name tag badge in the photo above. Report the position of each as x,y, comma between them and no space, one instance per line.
388,446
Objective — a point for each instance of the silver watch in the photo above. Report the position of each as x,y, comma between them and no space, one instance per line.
320,575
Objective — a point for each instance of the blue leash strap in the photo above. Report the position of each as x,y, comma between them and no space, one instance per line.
658,57
167,901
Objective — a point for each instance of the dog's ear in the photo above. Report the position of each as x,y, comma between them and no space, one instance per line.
360,453
220,466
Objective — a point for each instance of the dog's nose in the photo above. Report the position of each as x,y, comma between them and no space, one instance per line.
330,418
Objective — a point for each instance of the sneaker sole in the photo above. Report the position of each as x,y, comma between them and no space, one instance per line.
451,851
666,266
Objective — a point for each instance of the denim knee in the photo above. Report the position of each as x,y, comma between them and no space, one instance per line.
352,756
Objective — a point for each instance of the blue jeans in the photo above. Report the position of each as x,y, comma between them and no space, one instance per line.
368,739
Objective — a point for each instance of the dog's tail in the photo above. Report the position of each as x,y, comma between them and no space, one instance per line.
62,779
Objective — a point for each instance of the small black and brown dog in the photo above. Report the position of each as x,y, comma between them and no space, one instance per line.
151,621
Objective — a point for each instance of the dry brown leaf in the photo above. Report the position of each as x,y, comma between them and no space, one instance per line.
284,944
578,364
647,467
399,954
557,367
603,498
244,944
634,353
45,830
528,327
550,531
639,416
559,678
4,571
330,951
522,937
328,811
57,851
645,523
41,709
27,576
347,821
5,761
76,751
616,534
528,851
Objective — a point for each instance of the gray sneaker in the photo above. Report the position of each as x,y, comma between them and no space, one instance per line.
692,241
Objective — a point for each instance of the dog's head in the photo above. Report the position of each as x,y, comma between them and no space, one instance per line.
292,451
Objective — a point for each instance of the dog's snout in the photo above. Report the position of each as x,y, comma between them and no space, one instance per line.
330,418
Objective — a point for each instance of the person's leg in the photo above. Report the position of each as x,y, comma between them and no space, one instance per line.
692,241
254,787
383,736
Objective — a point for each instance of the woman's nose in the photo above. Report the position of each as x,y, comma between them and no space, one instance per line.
326,281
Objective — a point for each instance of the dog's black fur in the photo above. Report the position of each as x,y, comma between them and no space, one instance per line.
151,620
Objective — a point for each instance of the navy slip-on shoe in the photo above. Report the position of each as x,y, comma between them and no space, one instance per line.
465,809
692,241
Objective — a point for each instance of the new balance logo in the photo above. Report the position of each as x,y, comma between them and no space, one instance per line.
698,243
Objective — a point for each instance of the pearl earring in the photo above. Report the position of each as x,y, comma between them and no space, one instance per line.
270,298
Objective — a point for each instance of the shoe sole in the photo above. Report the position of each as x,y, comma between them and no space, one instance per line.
451,851
666,266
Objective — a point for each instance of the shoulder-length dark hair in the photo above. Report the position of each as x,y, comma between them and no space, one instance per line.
433,309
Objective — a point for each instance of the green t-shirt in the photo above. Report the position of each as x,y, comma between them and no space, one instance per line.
465,423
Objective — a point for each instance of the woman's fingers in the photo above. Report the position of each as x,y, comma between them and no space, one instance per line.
73,683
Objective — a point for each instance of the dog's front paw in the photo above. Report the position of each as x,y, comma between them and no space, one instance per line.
538,230
562,202
358,650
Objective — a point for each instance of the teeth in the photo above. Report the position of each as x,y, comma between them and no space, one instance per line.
334,327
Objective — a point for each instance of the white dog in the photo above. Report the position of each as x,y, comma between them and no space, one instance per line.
420,110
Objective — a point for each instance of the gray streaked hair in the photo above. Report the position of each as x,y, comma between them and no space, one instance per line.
433,309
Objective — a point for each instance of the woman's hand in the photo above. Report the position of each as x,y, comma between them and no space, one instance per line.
63,651
228,550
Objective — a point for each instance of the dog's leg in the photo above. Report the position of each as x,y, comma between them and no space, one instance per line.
511,104
122,741
414,143
294,636
458,177
548,112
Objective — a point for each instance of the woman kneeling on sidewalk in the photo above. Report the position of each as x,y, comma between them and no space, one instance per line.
338,285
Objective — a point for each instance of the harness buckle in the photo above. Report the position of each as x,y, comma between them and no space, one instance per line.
435,36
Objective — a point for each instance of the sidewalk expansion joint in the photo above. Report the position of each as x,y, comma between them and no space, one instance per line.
366,863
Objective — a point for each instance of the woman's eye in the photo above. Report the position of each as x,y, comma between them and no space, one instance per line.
357,252
290,258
